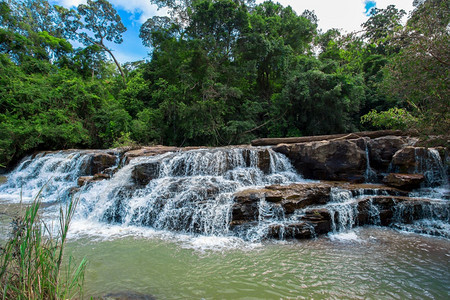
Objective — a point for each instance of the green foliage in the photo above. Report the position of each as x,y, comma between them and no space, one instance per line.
219,72
419,73
31,262
394,118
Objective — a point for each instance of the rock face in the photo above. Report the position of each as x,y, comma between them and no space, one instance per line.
368,160
102,161
142,174
381,151
404,181
311,209
329,160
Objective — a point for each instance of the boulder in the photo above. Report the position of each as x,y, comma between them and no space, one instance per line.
329,160
404,181
143,173
102,161
406,160
381,151
264,161
290,198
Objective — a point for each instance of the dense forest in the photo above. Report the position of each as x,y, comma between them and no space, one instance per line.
219,72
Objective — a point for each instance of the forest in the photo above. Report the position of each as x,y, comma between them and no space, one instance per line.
219,72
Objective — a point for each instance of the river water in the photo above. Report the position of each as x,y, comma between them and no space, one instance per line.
365,263
170,238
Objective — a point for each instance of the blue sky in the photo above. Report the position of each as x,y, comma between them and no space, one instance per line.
346,15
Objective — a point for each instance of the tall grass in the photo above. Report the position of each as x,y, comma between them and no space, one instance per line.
31,265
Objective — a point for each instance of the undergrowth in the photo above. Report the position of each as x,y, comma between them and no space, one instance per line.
32,264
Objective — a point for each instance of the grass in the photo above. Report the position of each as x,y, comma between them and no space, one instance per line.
31,265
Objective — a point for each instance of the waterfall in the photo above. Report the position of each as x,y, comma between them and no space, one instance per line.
369,174
191,191
194,192
51,173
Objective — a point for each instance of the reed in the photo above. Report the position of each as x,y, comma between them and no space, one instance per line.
32,262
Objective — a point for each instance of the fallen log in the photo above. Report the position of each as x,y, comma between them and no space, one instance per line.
315,138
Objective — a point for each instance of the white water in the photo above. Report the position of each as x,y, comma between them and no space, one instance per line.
52,174
192,193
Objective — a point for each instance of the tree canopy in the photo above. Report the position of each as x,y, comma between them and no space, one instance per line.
219,72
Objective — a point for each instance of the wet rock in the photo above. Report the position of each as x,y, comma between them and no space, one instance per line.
329,160
143,173
297,196
264,161
404,181
406,159
381,151
319,219
245,208
291,231
83,180
3,179
102,161
290,198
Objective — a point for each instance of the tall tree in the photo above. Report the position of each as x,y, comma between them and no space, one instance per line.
420,73
100,22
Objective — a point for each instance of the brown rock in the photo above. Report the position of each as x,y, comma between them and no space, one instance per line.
84,180
142,174
329,160
381,151
264,161
404,181
101,161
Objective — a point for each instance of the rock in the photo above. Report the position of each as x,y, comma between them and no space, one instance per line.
404,181
381,151
264,161
405,160
153,150
329,160
142,174
245,208
82,180
315,222
101,161
290,198
291,231
3,179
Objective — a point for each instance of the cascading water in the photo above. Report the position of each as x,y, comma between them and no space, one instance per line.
193,192
52,174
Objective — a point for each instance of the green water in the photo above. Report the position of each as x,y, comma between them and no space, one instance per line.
375,264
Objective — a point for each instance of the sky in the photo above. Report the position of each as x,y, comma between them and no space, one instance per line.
347,15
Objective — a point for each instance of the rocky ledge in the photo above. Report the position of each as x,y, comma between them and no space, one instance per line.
311,209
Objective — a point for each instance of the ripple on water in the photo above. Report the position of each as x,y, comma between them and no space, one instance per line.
379,264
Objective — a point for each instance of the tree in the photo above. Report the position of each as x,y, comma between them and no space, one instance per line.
102,23
419,74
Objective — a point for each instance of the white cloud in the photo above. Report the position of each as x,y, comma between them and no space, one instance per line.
141,9
344,14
